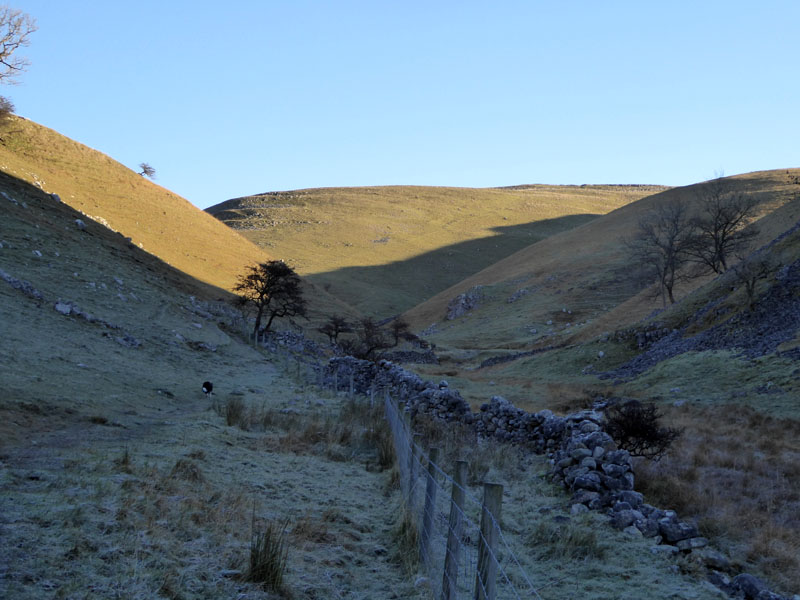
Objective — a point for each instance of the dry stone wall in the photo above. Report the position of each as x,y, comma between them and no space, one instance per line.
585,460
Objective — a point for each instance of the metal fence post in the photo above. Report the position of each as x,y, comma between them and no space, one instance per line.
486,576
455,530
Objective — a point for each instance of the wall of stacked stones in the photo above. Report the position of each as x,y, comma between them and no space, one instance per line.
584,457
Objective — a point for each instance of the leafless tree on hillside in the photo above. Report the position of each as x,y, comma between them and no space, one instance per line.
335,326
399,328
749,272
16,28
721,226
370,338
147,170
660,246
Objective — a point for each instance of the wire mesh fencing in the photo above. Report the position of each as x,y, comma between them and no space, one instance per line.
462,549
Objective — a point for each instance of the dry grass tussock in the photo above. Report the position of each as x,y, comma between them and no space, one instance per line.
353,430
737,472
486,459
268,554
569,540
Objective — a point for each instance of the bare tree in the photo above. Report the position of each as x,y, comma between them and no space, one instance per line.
6,108
147,170
272,289
399,328
661,243
334,326
749,272
16,28
721,226
636,428
369,339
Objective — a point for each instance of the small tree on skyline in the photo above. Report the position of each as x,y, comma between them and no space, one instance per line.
147,170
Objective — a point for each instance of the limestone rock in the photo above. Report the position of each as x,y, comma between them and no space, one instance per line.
464,303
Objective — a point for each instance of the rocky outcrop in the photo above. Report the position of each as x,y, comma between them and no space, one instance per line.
464,303
23,286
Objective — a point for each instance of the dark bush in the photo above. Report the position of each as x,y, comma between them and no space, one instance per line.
334,326
635,428
369,341
6,108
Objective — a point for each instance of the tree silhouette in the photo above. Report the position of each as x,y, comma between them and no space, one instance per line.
720,226
399,328
271,289
15,30
334,326
661,245
147,170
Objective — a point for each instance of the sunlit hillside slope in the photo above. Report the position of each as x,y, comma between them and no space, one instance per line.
386,249
157,220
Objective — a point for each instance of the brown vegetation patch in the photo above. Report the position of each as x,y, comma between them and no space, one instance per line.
737,473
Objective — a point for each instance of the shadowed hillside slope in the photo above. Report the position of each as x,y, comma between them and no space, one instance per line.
109,451
386,249
568,289
157,220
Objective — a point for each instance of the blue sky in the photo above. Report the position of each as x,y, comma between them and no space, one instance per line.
237,98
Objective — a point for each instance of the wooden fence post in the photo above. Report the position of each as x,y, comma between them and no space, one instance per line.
486,576
430,507
455,531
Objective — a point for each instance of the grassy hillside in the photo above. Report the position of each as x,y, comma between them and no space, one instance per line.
568,289
118,476
727,376
156,220
120,479
386,249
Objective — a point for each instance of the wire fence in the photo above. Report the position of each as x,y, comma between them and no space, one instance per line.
462,548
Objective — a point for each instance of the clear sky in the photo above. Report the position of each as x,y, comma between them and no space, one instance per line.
233,98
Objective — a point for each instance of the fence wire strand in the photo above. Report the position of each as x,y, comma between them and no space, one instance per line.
465,582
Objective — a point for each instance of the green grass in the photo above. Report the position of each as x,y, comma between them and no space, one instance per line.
721,377
386,249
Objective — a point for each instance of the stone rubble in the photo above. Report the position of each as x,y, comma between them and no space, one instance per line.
464,303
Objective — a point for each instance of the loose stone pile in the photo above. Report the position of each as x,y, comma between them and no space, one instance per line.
464,303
